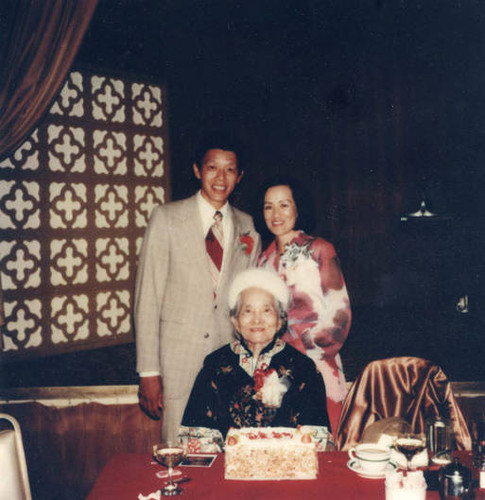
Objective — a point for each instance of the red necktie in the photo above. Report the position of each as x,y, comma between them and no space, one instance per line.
214,243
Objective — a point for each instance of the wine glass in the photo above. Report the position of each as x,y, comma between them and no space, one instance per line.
409,445
169,456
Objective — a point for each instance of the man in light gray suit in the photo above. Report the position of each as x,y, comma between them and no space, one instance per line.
181,311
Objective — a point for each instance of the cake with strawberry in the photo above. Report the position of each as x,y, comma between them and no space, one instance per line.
262,453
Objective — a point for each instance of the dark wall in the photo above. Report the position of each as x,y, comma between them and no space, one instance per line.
375,105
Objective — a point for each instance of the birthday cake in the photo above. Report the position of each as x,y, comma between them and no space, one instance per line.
262,453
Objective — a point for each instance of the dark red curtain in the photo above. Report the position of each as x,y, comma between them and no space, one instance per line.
43,39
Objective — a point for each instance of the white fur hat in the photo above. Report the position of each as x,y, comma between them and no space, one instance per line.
259,278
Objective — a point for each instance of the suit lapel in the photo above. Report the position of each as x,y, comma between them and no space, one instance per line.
188,221
235,244
233,250
190,226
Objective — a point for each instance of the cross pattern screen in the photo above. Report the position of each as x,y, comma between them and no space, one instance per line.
75,199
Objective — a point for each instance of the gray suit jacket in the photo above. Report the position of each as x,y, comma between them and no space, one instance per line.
177,320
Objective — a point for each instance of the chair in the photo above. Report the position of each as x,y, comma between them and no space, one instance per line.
14,483
412,388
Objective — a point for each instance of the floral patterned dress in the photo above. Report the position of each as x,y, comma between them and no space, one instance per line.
281,388
319,315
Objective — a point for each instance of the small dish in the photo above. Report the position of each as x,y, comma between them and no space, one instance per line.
354,466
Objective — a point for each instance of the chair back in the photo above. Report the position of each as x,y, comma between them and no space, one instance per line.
408,387
14,482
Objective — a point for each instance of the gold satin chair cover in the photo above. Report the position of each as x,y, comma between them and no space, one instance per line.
412,388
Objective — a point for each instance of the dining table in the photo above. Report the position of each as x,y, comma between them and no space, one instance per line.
127,476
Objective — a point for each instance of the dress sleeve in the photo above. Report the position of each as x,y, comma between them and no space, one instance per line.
333,327
199,409
205,407
204,421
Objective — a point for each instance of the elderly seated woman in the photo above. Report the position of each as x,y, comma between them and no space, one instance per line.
257,380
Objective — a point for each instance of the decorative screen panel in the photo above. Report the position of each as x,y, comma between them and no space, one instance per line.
75,199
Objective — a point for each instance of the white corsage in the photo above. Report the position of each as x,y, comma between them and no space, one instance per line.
272,389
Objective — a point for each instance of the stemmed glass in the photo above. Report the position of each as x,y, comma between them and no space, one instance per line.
409,445
169,456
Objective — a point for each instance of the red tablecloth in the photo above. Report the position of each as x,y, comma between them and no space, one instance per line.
128,475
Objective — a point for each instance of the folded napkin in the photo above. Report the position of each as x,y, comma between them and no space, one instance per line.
409,487
384,433
156,495
201,439
419,460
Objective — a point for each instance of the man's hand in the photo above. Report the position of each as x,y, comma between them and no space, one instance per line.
150,396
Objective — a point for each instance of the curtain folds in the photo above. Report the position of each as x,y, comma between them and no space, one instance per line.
44,39
412,388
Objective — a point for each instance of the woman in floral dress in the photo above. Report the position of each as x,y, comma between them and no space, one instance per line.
319,314
257,380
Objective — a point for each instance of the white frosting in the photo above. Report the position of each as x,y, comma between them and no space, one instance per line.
267,437
257,453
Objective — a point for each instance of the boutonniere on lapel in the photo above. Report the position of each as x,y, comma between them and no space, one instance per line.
246,243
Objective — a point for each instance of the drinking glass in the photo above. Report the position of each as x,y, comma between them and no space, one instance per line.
169,456
409,445
478,438
440,439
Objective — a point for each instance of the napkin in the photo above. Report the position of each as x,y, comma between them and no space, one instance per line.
419,460
319,434
409,487
156,495
201,439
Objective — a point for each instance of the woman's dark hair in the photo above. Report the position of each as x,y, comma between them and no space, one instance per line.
303,202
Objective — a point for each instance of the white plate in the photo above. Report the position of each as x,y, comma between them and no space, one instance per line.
354,466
